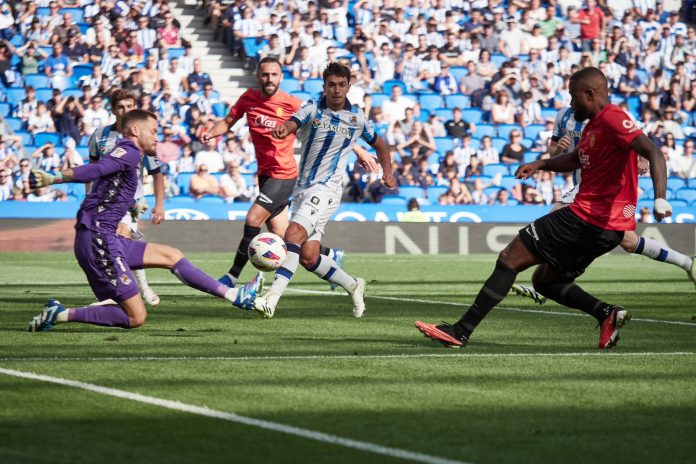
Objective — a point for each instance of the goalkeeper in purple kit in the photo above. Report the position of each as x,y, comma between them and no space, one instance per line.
107,258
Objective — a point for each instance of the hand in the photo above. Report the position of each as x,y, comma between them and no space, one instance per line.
564,143
280,132
207,136
661,209
369,163
388,180
39,178
643,166
528,170
157,214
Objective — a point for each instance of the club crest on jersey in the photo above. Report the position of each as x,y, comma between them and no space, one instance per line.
118,152
125,280
280,112
353,119
592,140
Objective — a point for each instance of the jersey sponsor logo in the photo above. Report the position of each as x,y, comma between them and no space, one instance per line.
314,200
264,198
572,133
629,211
118,152
584,159
629,125
319,124
265,121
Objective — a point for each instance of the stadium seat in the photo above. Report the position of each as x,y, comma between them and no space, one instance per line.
650,195
458,101
458,72
483,130
17,40
531,156
182,181
48,137
15,95
313,86
532,131
77,189
253,45
388,85
680,203
527,143
475,143
83,150
44,94
78,14
645,183
394,200
675,183
435,192
81,70
505,129
498,59
424,116
378,99
27,138
444,144
290,85
687,194
435,158
445,114
304,96
431,102
494,169
72,92
15,124
547,113
492,192
498,143
472,115
37,80
633,103
409,191
5,109
220,109
175,52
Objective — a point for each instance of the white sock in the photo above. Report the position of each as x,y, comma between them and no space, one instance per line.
327,269
63,317
141,279
332,254
284,275
659,252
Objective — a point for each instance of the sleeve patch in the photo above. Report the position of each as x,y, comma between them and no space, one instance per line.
118,152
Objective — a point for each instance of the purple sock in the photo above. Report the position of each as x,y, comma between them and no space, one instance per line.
195,278
107,316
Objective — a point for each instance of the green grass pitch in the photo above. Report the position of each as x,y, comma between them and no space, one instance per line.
531,387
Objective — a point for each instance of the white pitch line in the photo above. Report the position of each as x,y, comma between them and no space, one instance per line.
347,357
230,417
466,305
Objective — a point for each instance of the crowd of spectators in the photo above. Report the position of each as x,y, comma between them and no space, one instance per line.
462,90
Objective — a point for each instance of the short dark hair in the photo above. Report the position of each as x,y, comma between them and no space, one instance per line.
336,69
269,59
119,95
136,116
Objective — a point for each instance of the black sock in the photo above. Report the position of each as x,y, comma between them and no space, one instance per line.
241,258
494,290
571,295
326,251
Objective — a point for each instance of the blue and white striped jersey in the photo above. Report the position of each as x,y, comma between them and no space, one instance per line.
565,124
327,138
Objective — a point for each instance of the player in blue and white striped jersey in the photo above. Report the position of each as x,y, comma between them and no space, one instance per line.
565,137
102,142
328,130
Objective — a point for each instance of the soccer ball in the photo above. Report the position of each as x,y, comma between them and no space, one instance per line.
267,252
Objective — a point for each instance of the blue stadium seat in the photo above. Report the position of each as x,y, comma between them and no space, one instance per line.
394,200
498,59
676,183
43,11
220,109
44,95
15,124
78,190
27,138
458,101
388,85
304,96
505,129
435,158
547,113
472,115
493,169
531,156
409,191
182,181
645,183
72,92
290,84
634,104
5,109
444,144
642,74
183,198
492,192
77,14
253,45
687,194
17,40
445,114
378,99
498,143
679,203
458,72
313,86
483,130
475,143
81,70
15,95
84,27
48,137
532,131
175,52
527,143
431,101
37,80
435,192
83,150
424,116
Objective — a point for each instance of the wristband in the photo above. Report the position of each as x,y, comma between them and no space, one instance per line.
662,206
58,178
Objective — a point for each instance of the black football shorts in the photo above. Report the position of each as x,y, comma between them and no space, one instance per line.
274,194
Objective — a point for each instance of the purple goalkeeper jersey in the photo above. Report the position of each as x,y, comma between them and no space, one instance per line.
115,180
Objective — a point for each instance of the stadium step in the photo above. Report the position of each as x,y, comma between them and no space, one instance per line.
227,71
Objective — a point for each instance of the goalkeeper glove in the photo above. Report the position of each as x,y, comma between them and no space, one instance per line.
39,178
138,208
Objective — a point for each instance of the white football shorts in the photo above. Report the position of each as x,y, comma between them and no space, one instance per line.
313,206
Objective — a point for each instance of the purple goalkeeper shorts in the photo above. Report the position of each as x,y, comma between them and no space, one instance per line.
107,260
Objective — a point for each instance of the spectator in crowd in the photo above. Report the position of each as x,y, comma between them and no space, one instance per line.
95,115
503,111
202,183
487,152
413,213
27,107
41,121
168,34
210,157
502,198
232,184
419,142
394,109
445,83
685,165
58,68
6,186
514,151
46,158
478,196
